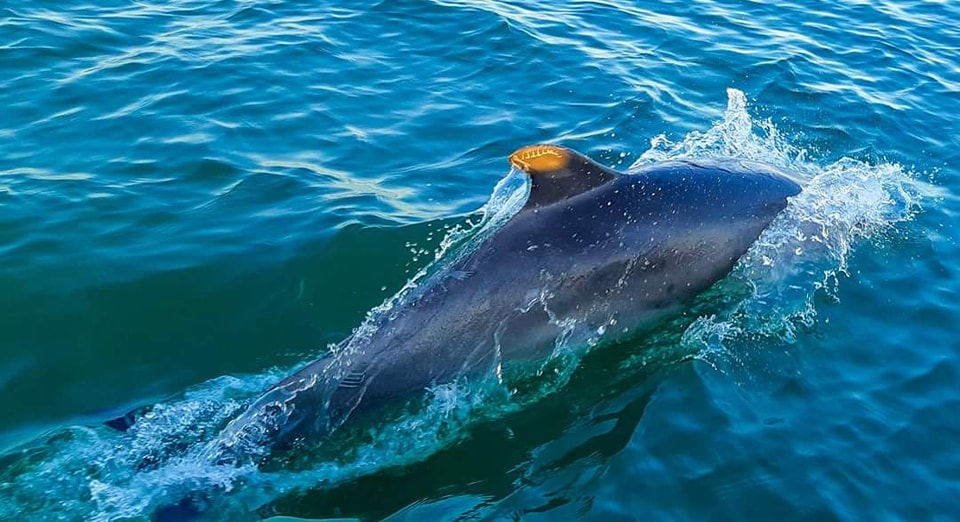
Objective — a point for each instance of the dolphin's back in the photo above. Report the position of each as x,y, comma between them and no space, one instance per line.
681,193
662,211
637,246
717,190
591,245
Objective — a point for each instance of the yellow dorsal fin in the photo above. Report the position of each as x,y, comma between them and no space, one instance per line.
534,159
558,173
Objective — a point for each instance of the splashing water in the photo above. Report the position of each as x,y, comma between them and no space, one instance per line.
807,247
95,473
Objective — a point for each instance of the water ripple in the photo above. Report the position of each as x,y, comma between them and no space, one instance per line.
189,189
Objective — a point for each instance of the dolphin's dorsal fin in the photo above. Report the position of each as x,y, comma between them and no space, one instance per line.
557,173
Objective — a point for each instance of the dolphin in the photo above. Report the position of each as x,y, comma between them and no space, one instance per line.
611,250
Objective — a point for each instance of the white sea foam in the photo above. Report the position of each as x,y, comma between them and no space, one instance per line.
808,247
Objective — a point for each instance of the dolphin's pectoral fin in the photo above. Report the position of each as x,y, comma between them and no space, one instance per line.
557,173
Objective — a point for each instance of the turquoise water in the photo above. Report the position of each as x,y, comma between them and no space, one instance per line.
198,197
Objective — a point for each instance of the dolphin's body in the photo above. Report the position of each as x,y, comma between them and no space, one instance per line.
599,247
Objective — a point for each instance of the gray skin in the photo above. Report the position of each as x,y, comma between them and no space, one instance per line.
591,244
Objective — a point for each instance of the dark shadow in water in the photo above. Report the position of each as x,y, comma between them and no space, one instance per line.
612,385
498,458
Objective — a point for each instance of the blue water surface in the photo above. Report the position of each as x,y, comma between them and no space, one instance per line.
198,196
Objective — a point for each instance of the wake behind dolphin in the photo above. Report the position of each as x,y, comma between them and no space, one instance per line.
591,247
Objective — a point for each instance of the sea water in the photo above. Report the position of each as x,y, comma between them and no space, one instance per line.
197,198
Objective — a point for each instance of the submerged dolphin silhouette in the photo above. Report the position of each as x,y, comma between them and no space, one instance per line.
590,244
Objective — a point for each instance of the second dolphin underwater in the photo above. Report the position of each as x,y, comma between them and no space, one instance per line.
590,244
